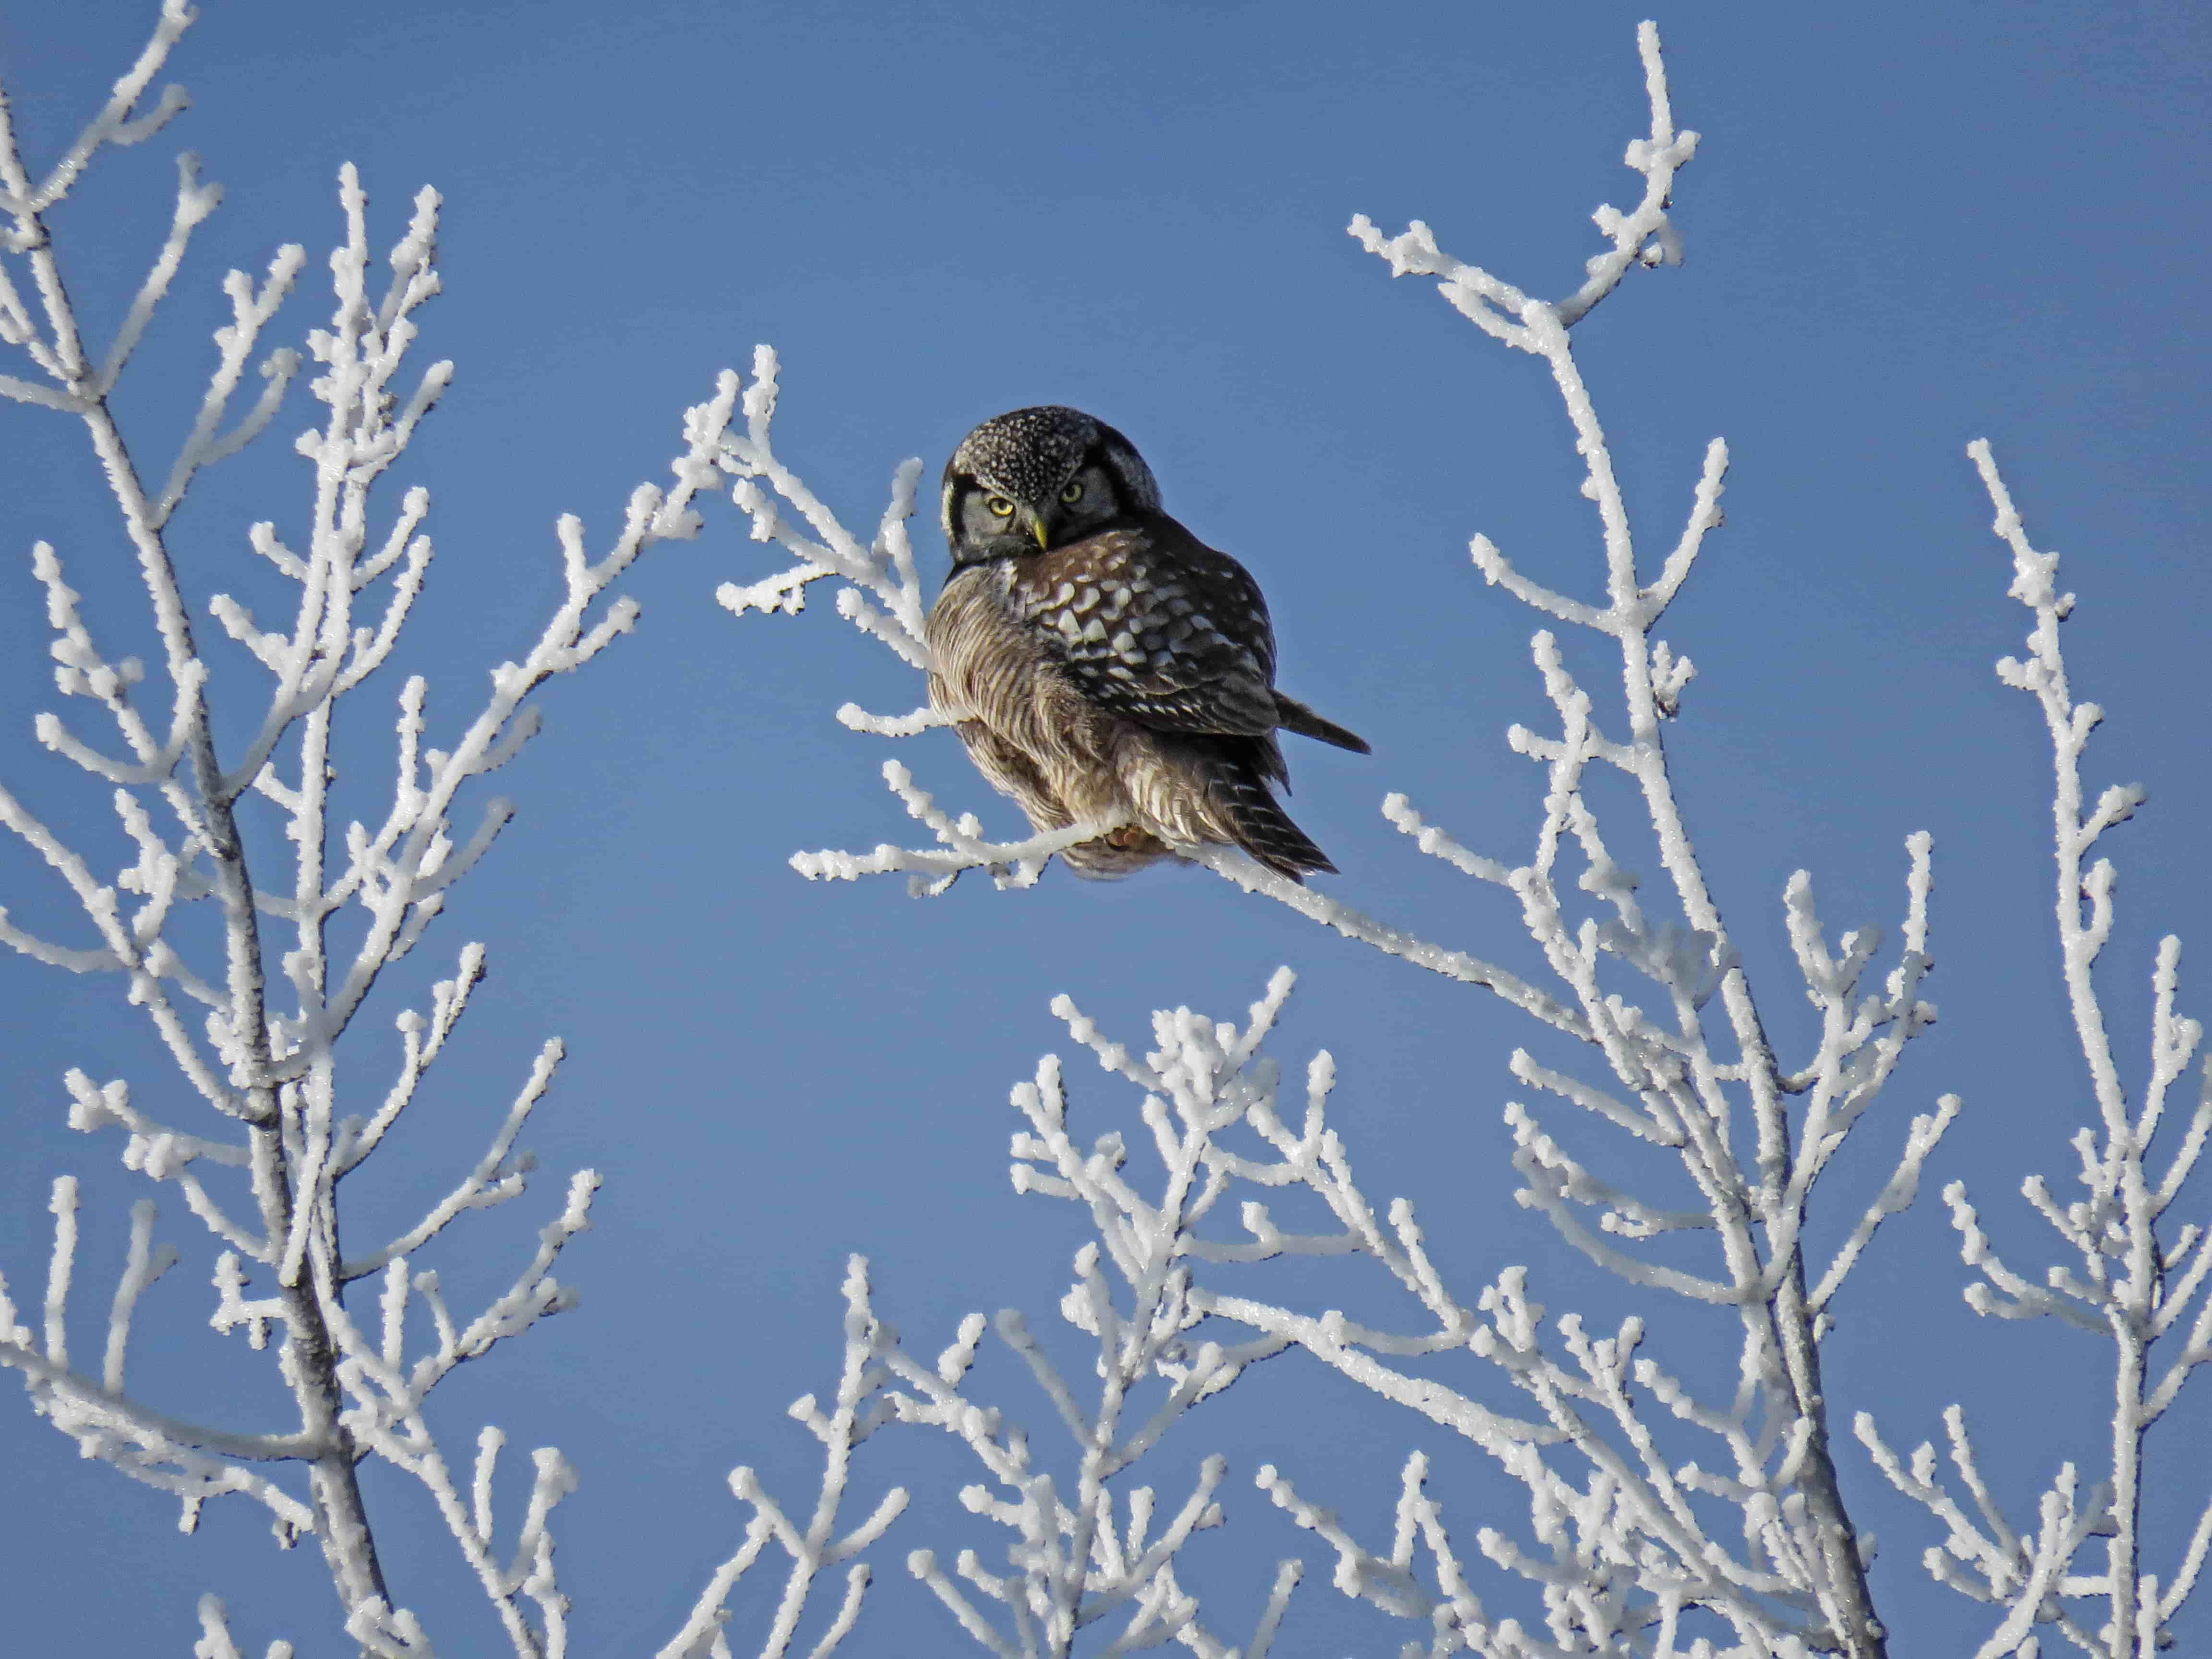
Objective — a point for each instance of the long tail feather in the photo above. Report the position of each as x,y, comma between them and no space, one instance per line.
1294,716
1265,830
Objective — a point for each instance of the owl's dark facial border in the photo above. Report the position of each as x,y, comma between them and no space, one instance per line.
1028,457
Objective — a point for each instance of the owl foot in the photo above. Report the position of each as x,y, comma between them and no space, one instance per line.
1117,853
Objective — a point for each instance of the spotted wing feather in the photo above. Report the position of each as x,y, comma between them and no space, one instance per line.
1157,627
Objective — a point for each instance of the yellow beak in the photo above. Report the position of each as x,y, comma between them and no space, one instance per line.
1036,524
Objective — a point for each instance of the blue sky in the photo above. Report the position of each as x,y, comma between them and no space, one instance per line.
1909,226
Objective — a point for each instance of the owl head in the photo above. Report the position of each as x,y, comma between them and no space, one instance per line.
1034,480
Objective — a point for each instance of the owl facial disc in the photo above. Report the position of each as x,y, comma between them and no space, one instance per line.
1021,463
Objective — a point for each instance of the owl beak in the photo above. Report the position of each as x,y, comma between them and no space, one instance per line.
1043,537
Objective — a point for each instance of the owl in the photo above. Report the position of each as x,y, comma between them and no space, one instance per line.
1100,661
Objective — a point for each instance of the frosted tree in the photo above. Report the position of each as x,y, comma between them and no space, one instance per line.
262,1009
1662,1519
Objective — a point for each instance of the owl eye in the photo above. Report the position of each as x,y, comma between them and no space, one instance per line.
1073,492
1000,506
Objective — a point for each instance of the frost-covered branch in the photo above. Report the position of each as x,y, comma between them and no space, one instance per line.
2127,1274
814,1544
1012,863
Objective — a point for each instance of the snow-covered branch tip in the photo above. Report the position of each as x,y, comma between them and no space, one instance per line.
883,594
1644,236
120,122
814,1545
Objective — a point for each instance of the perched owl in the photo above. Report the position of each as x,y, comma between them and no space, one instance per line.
1103,662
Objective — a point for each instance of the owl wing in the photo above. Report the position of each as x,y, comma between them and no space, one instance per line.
1153,625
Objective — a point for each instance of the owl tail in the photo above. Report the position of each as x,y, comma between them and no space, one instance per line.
1265,830
1292,715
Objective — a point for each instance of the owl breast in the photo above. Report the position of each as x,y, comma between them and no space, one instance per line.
1025,718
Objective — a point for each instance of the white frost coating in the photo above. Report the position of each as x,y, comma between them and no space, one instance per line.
216,1640
882,595
2128,1277
263,1171
1012,863
855,718
814,1545
1089,1546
